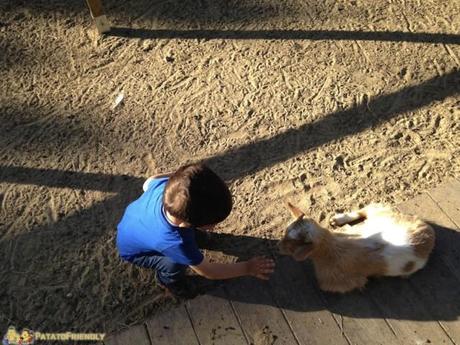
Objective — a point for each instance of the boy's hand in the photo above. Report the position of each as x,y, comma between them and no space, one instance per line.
260,267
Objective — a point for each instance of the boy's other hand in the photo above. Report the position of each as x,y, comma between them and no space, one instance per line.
260,267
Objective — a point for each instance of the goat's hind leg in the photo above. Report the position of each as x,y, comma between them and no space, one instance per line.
348,217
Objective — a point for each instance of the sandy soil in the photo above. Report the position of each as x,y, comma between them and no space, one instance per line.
329,104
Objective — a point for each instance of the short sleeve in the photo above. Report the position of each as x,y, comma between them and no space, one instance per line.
152,182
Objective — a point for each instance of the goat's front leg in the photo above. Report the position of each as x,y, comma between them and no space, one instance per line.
344,218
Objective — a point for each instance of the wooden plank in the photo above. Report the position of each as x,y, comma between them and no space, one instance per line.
134,335
406,312
423,206
214,320
438,289
172,328
262,321
360,320
447,197
295,293
437,284
447,238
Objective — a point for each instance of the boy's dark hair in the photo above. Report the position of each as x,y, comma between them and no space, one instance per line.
196,195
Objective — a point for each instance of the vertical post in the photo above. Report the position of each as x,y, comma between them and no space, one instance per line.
101,21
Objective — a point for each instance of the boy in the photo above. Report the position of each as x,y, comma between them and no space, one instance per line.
158,229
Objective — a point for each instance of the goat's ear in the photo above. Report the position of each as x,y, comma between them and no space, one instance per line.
295,211
302,252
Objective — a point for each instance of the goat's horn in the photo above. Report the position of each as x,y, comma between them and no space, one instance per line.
296,212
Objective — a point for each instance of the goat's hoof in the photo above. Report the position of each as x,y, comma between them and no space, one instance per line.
337,220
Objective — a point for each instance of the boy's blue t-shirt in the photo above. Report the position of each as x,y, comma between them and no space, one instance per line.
144,230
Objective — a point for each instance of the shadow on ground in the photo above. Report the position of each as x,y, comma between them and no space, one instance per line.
424,296
251,157
42,258
313,35
207,17
174,11
43,287
39,263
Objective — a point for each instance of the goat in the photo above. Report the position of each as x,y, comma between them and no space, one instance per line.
384,243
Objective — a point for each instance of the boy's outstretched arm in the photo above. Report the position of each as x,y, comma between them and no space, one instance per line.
259,267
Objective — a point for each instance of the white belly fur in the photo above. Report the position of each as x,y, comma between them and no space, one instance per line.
397,252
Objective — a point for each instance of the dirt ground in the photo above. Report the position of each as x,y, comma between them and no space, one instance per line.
328,104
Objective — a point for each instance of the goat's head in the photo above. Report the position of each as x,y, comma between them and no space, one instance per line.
298,240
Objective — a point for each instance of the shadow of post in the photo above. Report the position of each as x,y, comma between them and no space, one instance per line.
252,157
69,179
312,35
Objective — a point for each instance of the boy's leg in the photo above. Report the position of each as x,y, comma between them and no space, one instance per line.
167,271
172,277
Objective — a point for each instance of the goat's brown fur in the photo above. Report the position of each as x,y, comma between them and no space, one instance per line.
422,239
344,260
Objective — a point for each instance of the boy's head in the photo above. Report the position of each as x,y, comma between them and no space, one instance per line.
197,196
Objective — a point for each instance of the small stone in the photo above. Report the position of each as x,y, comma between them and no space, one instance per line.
118,100
339,163
403,72
397,136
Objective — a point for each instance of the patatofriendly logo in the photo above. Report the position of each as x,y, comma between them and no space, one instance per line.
13,337
29,337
